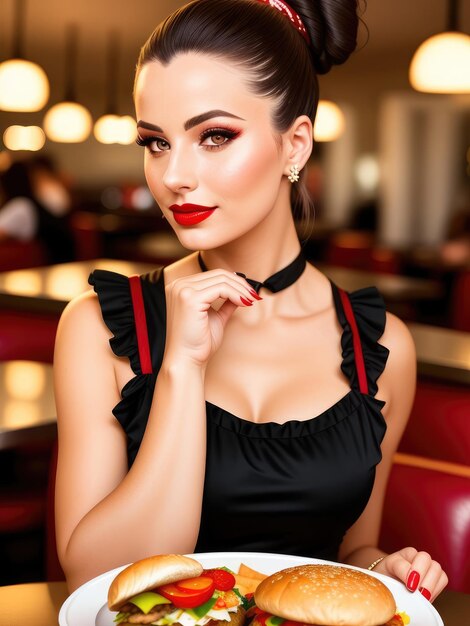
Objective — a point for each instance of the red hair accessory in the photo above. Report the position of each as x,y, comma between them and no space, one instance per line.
294,17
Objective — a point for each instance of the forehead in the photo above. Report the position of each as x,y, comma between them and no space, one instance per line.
192,84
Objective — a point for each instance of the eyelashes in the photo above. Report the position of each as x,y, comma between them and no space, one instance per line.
228,134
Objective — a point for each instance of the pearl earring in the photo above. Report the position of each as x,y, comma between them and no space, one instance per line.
294,174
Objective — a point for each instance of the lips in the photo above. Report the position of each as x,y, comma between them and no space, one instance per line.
189,214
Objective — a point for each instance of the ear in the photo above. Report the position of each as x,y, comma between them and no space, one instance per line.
298,143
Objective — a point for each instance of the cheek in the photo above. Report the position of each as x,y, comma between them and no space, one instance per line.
247,165
153,176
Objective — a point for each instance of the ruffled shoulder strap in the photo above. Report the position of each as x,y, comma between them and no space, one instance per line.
124,313
362,317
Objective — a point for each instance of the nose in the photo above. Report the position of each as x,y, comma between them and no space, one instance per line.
180,174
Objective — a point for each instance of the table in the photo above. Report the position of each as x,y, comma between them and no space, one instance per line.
49,289
442,352
394,287
39,604
27,406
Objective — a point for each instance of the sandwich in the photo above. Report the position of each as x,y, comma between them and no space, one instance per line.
323,595
172,589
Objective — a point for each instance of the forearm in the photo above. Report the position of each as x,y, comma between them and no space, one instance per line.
157,506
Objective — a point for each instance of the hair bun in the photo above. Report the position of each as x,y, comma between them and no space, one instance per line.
332,26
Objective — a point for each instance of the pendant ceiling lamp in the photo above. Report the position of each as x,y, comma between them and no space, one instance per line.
69,121
329,121
23,85
111,127
24,138
441,64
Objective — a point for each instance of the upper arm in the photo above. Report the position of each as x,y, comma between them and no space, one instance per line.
396,386
92,457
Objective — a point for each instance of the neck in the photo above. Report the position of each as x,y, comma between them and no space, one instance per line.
259,254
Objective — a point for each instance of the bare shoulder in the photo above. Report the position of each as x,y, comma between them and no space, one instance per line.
397,338
398,381
82,318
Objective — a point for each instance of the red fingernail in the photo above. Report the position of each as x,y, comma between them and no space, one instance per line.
413,580
246,302
426,593
255,295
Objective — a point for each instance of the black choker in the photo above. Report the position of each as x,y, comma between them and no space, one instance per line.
280,280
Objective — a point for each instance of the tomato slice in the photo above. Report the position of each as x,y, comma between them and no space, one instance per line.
186,599
224,581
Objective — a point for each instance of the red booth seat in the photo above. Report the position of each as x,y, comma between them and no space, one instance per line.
460,306
27,336
439,425
427,505
15,255
21,511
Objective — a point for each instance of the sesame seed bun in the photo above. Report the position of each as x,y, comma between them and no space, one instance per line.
149,573
326,595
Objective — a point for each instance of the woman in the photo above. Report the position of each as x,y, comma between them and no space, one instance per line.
226,94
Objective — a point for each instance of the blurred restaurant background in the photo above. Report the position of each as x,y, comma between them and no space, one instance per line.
390,181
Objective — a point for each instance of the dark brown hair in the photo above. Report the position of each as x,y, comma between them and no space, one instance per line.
262,41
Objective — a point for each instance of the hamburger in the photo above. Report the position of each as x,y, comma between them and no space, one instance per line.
172,589
323,595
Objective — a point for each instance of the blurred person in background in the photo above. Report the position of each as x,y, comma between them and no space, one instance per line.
35,204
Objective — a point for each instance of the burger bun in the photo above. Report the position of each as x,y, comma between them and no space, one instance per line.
326,595
149,573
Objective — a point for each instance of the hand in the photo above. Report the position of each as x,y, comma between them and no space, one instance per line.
416,570
194,328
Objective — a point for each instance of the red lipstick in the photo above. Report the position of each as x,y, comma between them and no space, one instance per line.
190,214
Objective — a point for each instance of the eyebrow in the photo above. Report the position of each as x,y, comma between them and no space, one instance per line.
194,121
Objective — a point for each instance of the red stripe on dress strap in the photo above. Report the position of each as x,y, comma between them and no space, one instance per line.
358,356
140,324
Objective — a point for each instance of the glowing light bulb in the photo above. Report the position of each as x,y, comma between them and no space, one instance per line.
441,64
329,121
68,122
23,86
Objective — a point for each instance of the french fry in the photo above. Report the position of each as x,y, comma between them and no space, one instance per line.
244,570
249,584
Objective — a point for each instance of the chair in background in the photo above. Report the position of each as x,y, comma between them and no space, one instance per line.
24,337
358,250
88,238
350,249
27,336
439,425
16,255
460,302
427,505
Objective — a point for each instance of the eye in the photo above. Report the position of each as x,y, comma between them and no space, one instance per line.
154,144
215,138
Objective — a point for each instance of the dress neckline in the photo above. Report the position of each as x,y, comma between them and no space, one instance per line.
332,414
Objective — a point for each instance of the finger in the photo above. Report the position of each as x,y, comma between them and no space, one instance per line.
217,273
203,298
225,311
398,563
434,582
418,570
218,278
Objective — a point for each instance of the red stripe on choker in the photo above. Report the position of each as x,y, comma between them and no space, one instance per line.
140,324
358,355
291,15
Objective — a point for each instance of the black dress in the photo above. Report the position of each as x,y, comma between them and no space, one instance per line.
292,488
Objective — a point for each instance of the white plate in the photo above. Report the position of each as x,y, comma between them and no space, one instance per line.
87,604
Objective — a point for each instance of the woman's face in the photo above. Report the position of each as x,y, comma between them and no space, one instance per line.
208,142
